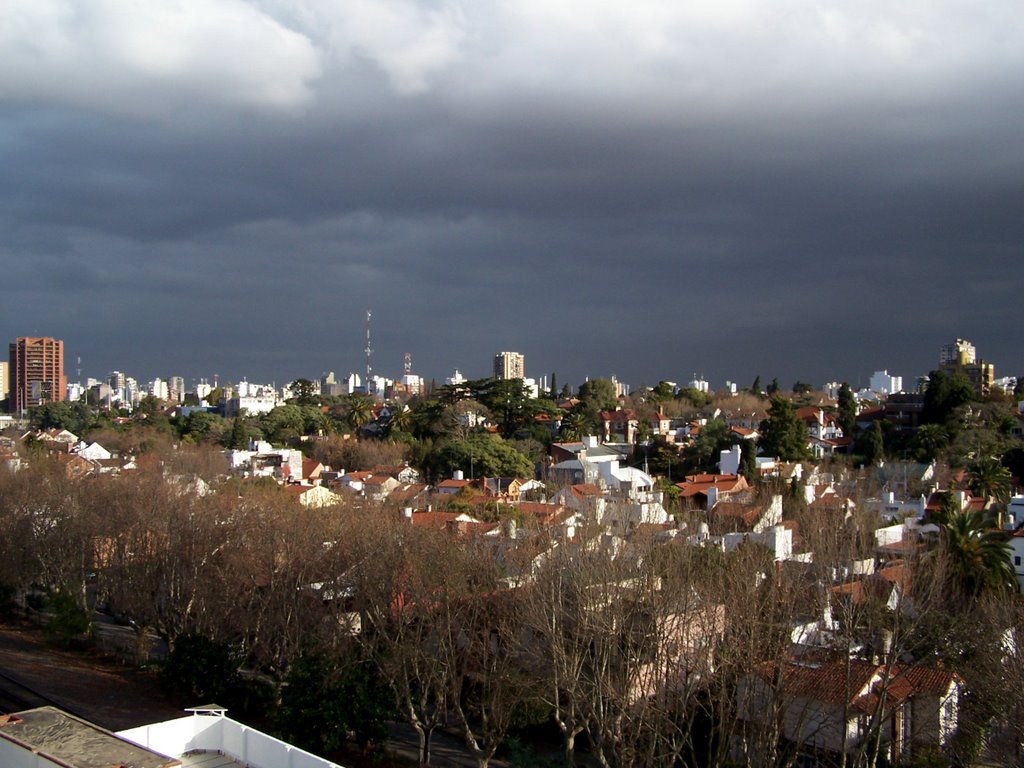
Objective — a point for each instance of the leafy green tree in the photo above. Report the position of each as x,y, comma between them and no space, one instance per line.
755,388
694,396
871,444
802,387
663,392
662,459
237,438
69,621
847,405
303,392
943,395
201,669
599,394
773,389
509,401
479,455
315,421
200,426
928,442
783,434
715,437
327,696
283,424
57,415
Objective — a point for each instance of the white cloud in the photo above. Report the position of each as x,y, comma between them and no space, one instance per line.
410,42
151,57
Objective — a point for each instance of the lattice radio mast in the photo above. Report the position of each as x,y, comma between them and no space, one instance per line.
369,351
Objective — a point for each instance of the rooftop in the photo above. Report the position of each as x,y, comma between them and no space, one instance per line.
64,740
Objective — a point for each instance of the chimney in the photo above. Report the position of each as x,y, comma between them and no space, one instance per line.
407,514
712,497
457,475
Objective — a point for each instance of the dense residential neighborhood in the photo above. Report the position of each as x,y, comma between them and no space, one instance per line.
659,576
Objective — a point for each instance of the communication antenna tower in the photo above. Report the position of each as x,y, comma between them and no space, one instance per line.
78,370
408,363
369,350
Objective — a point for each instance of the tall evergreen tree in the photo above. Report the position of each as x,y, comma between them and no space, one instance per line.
783,434
748,460
847,415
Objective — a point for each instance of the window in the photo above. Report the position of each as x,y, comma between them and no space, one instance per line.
1016,559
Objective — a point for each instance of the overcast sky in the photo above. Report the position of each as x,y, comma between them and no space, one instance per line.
652,189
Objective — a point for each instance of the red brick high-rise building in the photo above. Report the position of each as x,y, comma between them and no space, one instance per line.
36,372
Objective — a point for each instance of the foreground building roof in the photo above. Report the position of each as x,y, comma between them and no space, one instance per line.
48,737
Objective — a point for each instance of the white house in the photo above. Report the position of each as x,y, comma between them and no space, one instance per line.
93,452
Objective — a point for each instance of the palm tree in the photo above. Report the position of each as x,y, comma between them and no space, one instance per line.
574,424
401,420
991,480
357,411
977,554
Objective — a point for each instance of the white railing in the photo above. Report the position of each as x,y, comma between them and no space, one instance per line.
216,733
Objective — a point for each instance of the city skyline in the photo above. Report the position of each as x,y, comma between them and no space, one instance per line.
512,363
800,190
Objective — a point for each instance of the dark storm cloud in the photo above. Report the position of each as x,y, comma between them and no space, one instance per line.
670,191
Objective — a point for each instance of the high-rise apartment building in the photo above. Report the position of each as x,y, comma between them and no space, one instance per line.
509,365
36,372
963,357
960,352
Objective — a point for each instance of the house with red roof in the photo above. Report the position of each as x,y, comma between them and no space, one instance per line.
377,487
619,426
704,490
830,708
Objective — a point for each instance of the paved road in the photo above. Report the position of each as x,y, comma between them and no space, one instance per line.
112,696
447,750
34,673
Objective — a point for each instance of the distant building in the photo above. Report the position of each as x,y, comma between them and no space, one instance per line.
158,388
176,388
203,389
884,384
962,357
1007,383
509,365
960,352
329,385
36,372
412,383
700,384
